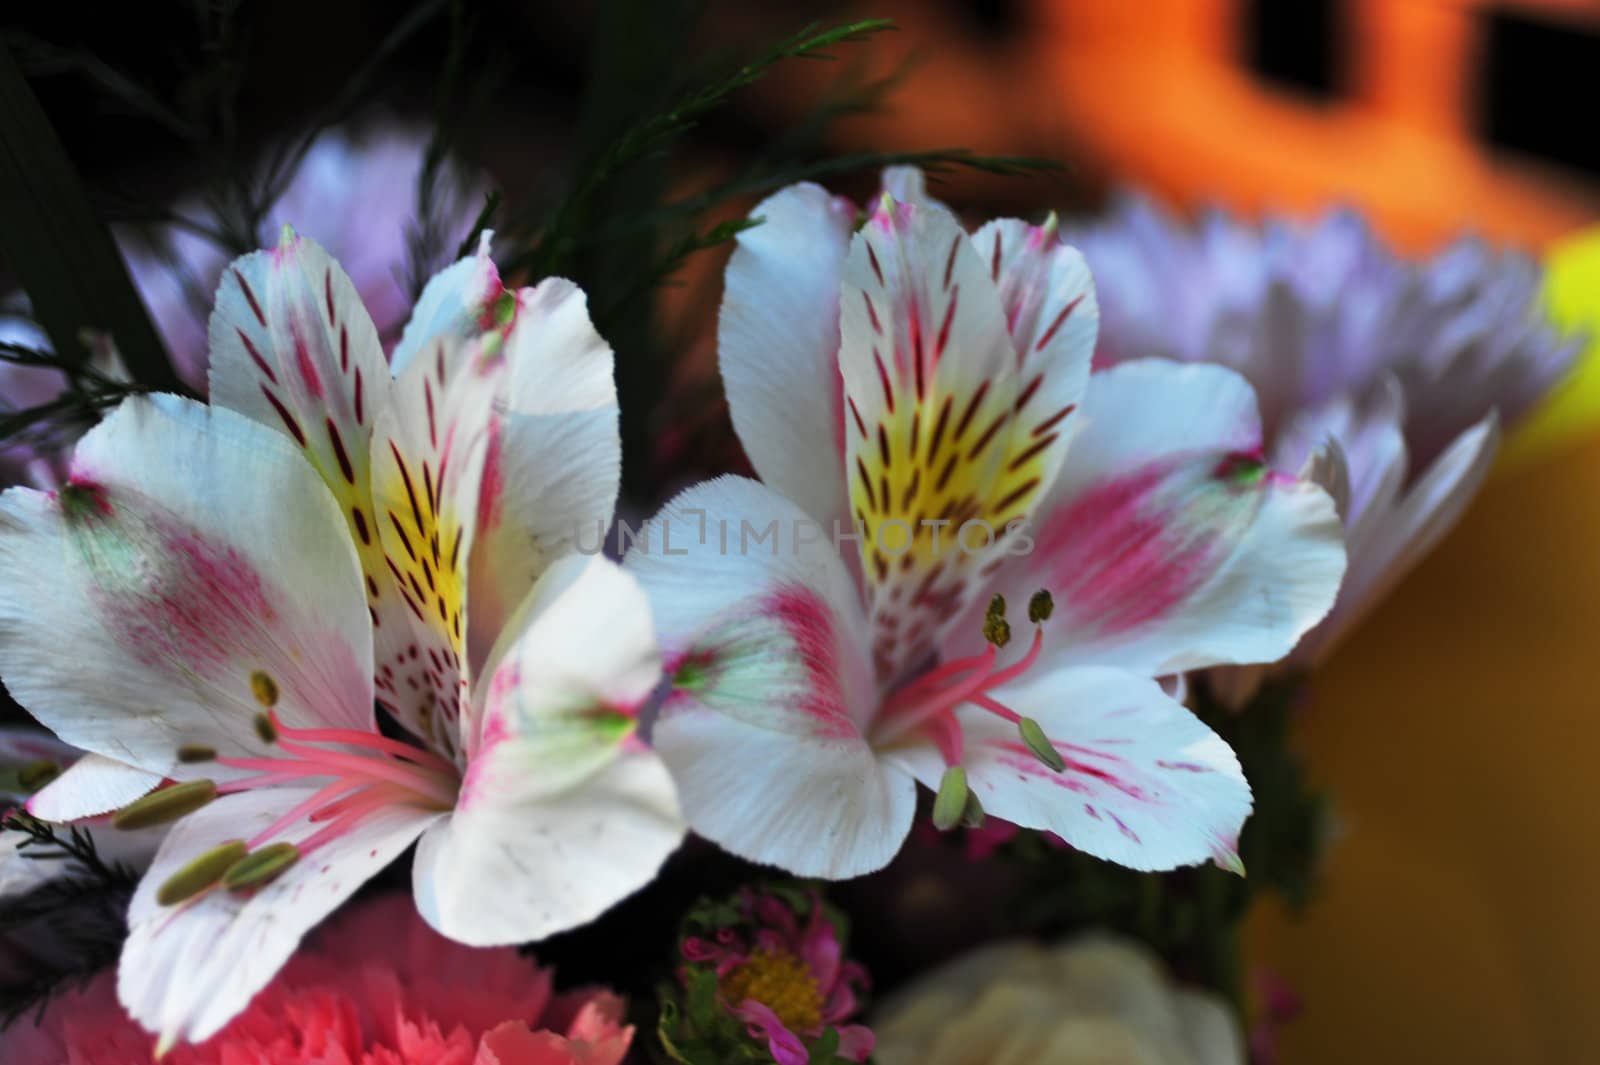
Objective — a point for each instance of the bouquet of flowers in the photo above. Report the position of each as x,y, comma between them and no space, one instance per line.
978,628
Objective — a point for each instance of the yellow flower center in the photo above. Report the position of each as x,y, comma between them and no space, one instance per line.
781,982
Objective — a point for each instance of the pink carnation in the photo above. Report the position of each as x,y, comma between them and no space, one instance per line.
376,986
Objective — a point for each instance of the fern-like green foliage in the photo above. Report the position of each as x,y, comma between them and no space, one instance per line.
69,927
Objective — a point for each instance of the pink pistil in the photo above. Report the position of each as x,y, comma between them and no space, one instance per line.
385,772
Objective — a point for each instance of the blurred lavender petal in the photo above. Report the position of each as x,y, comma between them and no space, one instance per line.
355,194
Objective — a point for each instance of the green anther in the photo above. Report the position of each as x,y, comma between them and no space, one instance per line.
261,867
167,804
996,629
201,873
36,775
951,803
1040,606
972,814
265,729
190,753
264,688
1039,744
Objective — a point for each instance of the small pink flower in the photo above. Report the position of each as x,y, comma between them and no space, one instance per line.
785,977
376,987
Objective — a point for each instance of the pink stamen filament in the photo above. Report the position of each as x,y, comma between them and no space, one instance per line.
930,701
388,772
997,708
373,799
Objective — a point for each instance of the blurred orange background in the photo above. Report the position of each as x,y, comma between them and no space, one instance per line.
1454,728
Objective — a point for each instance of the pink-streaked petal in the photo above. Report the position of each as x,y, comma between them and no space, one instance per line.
941,425
188,969
1050,309
194,560
293,348
1147,785
578,656
91,786
428,456
1168,549
778,342
786,1047
732,548
764,641
554,465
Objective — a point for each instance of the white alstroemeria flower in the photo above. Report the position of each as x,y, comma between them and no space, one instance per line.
1392,376
236,610
917,379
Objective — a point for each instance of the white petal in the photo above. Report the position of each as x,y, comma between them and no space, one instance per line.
908,184
778,343
765,639
513,870
91,786
1145,410
813,805
555,824
1146,785
188,969
191,551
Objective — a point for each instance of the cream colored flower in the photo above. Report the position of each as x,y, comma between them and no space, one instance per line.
1093,1001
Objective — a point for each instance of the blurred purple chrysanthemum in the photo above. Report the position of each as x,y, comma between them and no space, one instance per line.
354,195
1389,376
